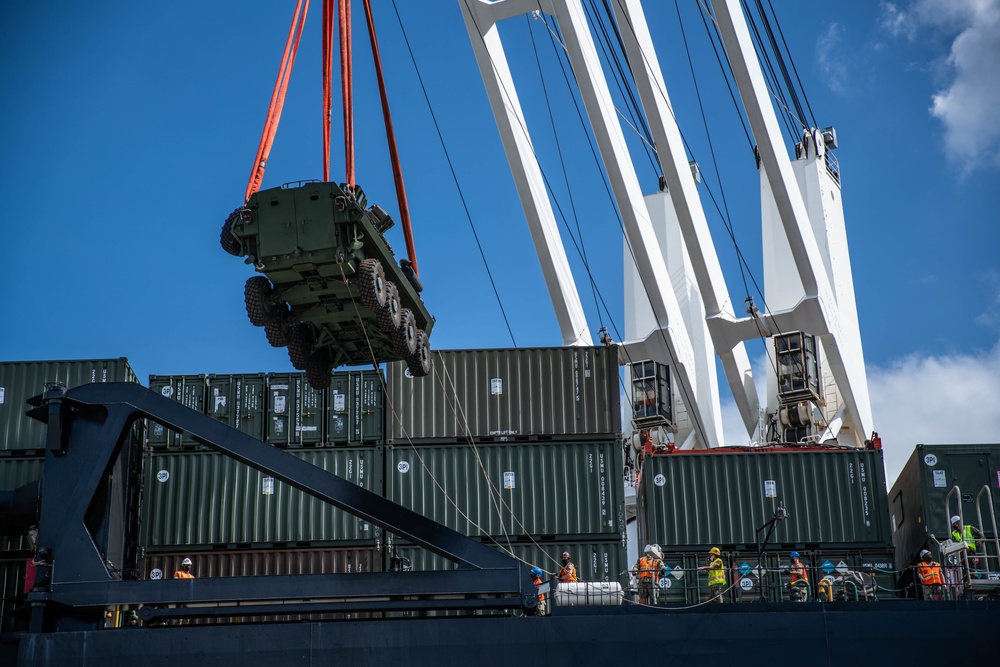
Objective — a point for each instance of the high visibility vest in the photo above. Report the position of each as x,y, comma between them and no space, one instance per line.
181,574
930,573
649,568
970,541
716,573
537,581
799,572
567,574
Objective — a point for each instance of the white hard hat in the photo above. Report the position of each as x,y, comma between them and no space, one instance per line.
187,561
655,548
924,552
956,519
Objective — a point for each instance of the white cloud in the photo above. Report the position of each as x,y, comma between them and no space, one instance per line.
830,60
970,94
947,399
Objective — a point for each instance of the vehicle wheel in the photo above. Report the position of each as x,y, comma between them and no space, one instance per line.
274,326
318,374
404,339
388,315
419,362
371,284
226,238
299,345
256,294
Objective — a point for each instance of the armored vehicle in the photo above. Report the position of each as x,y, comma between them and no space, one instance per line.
331,290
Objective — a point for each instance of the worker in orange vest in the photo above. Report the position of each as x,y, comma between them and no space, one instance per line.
648,570
536,579
567,573
929,573
185,571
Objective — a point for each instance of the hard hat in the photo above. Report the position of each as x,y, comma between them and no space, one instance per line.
655,550
714,551
924,552
537,571
566,555
187,561
956,519
794,554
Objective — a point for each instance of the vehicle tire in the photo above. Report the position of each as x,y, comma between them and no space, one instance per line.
404,339
318,374
226,238
371,284
256,295
388,315
299,345
419,362
274,326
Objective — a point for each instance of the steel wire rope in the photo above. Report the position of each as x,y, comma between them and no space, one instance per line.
427,469
792,61
454,175
562,163
392,410
776,50
775,84
742,262
683,389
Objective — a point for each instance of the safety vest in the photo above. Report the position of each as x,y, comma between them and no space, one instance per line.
537,581
716,573
799,572
181,574
970,540
930,573
649,568
567,573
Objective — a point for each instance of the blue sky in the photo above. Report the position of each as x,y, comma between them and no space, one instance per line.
128,132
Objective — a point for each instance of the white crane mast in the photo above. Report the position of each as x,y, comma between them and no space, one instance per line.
683,316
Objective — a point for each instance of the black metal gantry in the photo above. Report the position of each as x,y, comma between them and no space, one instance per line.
76,583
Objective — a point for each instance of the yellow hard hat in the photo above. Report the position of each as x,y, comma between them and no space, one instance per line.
715,551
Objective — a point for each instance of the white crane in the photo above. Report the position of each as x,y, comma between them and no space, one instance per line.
678,309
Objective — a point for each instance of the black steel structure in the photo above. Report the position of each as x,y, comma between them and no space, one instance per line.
88,427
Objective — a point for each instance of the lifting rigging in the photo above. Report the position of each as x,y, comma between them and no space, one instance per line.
332,290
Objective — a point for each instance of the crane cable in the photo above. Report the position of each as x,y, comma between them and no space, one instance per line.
277,98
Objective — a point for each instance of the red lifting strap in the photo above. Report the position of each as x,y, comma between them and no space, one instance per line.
277,98
390,135
347,88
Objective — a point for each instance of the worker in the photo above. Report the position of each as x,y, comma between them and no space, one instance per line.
536,579
716,575
799,574
647,570
567,573
929,573
185,571
973,536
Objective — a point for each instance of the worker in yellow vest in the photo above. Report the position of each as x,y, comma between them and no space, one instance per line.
716,575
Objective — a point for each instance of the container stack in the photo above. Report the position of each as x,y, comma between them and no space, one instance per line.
837,518
22,460
938,482
518,448
231,519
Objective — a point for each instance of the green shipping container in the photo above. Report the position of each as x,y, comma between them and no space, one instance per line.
689,501
513,489
16,472
187,389
208,500
356,408
238,401
20,380
919,503
295,411
564,393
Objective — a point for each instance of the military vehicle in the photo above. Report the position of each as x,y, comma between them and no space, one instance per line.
331,290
